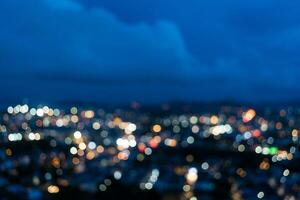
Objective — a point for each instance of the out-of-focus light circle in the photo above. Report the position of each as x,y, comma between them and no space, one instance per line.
117,175
260,195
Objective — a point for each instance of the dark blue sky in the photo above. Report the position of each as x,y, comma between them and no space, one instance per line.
152,51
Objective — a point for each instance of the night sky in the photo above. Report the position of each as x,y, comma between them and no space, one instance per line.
149,51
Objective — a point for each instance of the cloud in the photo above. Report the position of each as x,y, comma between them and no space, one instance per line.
59,39
250,42
174,49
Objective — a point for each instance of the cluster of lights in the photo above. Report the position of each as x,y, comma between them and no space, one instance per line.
171,131
220,129
151,180
125,143
15,137
266,150
103,187
192,175
18,109
34,136
248,115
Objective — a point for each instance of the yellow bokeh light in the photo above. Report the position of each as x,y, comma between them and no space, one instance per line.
89,114
53,189
214,119
156,128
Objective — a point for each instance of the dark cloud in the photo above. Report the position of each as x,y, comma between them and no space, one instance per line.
59,37
177,50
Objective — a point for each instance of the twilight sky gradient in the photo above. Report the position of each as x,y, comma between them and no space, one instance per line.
150,51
